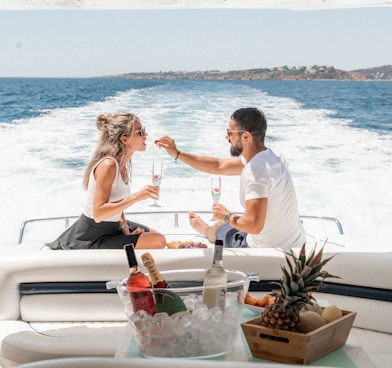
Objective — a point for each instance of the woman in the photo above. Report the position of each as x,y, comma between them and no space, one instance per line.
102,223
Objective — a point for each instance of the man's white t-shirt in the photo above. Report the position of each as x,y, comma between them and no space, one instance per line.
266,176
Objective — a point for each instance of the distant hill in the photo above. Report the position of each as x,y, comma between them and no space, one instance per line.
278,73
378,73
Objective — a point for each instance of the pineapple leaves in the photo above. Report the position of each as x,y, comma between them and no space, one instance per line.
314,260
302,256
302,274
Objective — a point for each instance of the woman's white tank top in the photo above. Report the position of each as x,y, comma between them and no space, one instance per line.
119,191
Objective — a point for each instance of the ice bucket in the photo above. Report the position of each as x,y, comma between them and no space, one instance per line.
197,332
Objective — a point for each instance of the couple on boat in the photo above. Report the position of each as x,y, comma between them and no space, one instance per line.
270,218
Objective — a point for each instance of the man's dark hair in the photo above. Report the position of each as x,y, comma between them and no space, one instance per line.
253,121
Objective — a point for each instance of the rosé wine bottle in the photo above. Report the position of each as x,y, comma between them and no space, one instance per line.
138,285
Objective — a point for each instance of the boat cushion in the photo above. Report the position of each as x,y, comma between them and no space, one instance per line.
30,342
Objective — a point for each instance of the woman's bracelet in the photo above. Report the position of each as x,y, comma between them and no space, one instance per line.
178,154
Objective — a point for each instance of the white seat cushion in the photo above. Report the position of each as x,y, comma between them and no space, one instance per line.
29,342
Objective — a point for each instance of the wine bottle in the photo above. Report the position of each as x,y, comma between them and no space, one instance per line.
156,278
215,280
165,300
138,285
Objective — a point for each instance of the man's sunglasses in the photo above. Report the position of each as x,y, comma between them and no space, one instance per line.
230,132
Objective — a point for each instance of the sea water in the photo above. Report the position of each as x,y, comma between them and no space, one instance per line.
335,135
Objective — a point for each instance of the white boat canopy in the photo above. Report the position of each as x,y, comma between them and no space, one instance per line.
189,4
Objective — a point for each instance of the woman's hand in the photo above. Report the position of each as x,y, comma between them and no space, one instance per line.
138,230
149,191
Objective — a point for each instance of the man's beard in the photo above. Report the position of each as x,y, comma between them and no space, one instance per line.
236,151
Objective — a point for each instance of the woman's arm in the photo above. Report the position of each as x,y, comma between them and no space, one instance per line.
105,174
123,224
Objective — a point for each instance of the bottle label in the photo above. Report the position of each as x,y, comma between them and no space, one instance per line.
149,263
143,300
215,280
169,302
214,297
221,298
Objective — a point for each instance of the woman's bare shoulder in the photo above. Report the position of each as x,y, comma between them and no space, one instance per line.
107,165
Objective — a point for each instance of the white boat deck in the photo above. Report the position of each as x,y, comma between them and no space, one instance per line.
376,345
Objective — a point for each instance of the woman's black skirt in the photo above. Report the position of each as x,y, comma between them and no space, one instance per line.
85,233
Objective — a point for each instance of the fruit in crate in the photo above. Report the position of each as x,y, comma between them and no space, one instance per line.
331,313
314,307
310,320
302,275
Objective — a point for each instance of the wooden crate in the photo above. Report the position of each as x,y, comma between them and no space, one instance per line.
294,347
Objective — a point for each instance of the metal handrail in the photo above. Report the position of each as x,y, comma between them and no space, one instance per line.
326,218
26,222
67,219
175,214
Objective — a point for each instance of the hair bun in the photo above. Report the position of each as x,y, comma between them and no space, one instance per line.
103,121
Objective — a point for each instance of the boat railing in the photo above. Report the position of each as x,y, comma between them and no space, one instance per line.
173,223
325,218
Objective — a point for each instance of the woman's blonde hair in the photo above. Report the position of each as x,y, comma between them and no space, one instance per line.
113,127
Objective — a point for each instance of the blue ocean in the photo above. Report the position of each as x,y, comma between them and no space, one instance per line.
335,135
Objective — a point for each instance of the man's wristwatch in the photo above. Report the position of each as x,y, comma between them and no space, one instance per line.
226,219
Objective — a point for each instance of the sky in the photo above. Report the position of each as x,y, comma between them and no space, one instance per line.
90,43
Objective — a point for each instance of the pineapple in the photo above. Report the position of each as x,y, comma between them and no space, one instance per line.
300,278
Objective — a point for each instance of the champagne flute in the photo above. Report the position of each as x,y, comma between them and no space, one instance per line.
216,189
156,178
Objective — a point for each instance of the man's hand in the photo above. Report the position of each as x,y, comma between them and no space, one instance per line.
219,212
168,144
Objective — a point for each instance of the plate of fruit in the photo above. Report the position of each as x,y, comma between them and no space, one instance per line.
257,306
186,244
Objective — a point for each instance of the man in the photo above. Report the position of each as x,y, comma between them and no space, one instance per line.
267,193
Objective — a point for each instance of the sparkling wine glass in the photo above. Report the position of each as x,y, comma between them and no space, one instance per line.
156,178
216,189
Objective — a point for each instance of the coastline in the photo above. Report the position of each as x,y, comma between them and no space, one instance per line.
316,72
